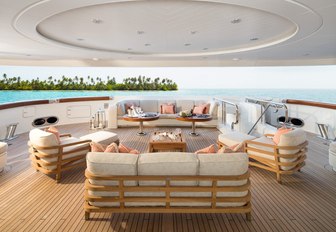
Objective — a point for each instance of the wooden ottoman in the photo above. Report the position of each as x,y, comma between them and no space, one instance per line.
103,137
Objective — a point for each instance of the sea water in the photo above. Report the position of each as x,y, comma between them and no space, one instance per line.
319,95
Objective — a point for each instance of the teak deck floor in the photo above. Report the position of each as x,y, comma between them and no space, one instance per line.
32,201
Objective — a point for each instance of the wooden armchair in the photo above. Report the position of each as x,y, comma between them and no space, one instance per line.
50,156
283,158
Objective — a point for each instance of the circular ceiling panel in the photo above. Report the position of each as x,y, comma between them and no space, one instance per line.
167,28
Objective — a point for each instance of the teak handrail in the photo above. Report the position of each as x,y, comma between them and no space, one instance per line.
311,103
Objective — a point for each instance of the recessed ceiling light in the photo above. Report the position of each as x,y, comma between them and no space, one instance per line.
187,44
306,54
254,39
95,59
236,59
80,39
140,32
205,49
97,21
193,32
129,49
28,55
129,58
147,45
234,21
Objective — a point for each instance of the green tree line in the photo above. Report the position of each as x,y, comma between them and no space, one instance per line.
88,83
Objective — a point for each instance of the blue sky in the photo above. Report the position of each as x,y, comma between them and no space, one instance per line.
291,77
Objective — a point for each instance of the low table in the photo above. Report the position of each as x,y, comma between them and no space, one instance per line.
141,120
167,144
193,120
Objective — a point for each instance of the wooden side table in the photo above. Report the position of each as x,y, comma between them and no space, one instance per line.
193,120
141,120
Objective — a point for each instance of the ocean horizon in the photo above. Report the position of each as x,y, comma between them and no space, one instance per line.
319,95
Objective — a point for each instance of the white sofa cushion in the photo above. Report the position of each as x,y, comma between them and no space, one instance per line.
149,105
43,139
184,105
168,163
227,164
112,164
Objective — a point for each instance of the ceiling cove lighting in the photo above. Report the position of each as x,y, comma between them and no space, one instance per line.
235,21
97,21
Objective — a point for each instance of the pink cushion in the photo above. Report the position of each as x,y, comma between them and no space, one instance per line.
97,147
209,149
198,109
168,109
280,131
124,149
207,108
113,148
54,130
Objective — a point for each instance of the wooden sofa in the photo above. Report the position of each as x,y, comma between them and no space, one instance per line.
118,109
167,183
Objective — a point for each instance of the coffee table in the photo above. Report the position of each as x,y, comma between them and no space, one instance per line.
193,120
141,119
167,144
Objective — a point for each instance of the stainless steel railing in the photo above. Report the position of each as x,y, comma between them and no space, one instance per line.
266,105
224,104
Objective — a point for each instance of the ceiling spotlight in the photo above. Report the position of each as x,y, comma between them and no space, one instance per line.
147,45
95,59
193,32
234,21
140,32
129,49
80,39
97,21
129,58
254,39
306,54
187,44
28,55
205,49
236,59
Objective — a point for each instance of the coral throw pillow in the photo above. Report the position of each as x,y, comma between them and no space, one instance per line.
206,108
97,147
198,109
55,132
167,109
124,149
210,149
113,148
280,131
239,147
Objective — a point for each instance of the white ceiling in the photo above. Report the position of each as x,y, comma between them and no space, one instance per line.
167,32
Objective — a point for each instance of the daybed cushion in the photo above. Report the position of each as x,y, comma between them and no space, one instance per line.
234,138
103,137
